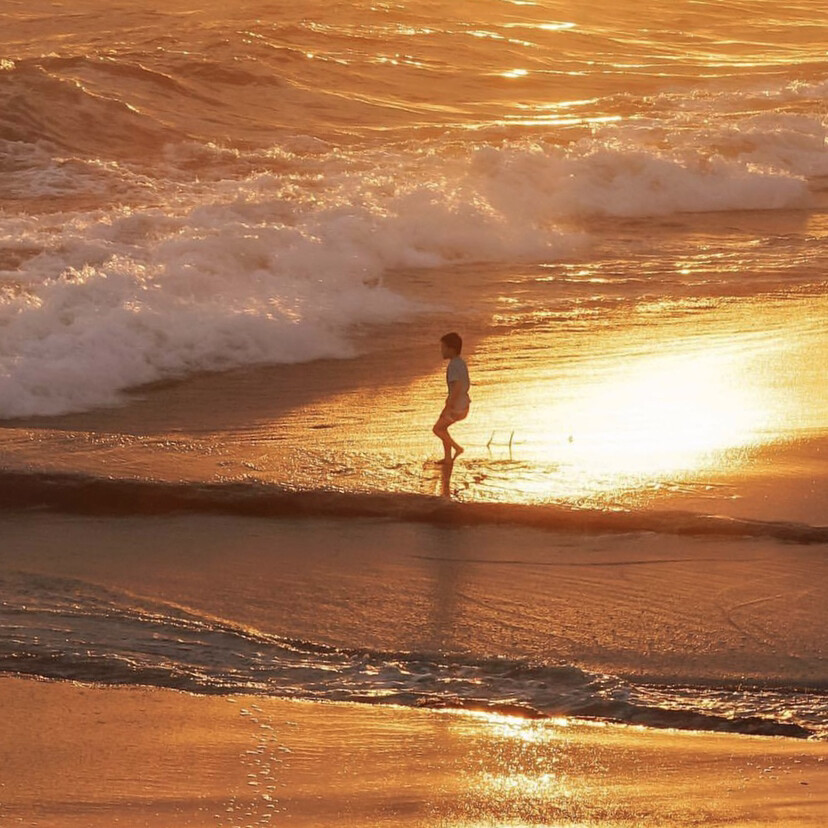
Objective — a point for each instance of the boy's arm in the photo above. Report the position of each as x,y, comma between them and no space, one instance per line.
454,395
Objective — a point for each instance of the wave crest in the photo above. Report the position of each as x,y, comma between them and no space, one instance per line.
40,106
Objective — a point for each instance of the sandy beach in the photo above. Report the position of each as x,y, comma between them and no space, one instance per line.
75,755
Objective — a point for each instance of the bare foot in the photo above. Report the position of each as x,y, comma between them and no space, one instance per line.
457,452
446,461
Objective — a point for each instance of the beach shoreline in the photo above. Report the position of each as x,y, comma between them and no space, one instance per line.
237,589
363,425
742,617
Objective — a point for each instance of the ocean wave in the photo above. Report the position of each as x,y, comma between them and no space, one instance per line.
648,170
66,629
40,107
274,268
280,252
146,295
112,496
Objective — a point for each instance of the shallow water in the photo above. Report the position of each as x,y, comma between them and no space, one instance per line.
690,633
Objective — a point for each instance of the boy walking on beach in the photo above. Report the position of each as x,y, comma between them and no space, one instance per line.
457,401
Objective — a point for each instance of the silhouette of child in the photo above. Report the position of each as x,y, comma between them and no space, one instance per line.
457,401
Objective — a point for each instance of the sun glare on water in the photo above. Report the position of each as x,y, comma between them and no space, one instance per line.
530,772
639,419
662,414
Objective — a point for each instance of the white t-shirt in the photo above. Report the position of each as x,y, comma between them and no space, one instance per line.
457,371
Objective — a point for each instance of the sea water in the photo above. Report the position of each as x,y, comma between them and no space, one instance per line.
207,186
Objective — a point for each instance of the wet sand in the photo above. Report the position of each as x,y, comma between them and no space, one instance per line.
76,755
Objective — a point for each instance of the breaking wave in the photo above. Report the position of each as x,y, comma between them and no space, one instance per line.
281,264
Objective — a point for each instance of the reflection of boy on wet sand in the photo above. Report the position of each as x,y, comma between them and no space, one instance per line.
457,402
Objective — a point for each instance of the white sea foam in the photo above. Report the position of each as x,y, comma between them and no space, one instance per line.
202,298
32,171
279,265
131,296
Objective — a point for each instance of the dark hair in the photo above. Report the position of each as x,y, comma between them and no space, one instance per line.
452,340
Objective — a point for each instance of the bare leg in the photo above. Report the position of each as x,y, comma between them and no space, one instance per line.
445,478
443,435
451,448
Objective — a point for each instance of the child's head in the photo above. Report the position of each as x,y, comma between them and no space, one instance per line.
451,345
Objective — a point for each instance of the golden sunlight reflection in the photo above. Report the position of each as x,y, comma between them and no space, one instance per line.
646,408
514,727
547,27
551,120
676,397
659,414
531,780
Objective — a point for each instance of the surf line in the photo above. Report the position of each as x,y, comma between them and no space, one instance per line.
85,494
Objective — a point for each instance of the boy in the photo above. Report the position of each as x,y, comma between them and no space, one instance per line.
457,401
